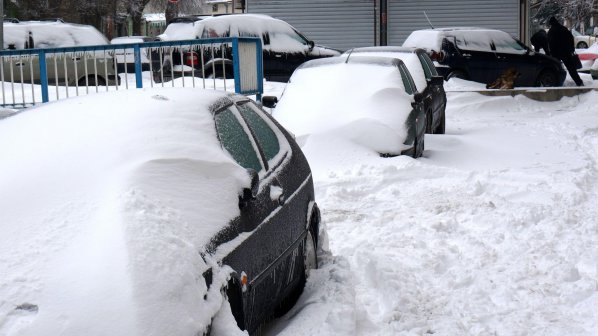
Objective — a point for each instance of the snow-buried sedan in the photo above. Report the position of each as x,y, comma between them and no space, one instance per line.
140,213
370,101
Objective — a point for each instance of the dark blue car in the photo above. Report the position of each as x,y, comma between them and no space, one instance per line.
481,55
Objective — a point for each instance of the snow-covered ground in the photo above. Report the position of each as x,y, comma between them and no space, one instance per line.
493,232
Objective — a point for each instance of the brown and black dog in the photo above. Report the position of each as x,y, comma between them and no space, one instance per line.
505,81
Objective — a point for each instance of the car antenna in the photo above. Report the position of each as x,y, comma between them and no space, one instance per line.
350,51
427,18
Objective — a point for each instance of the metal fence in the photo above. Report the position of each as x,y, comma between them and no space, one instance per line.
32,76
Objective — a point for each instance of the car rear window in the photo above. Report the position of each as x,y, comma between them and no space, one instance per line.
426,39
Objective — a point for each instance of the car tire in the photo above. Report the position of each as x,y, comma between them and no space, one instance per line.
547,78
91,81
582,45
457,74
441,128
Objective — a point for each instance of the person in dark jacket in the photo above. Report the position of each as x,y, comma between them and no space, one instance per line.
562,46
540,41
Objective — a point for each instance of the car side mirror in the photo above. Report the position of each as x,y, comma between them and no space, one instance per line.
311,45
269,101
437,80
251,192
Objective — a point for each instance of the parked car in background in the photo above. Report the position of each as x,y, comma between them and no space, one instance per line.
583,41
589,59
284,48
371,101
150,204
482,55
426,79
72,69
125,58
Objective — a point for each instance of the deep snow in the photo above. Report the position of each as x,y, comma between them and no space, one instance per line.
494,231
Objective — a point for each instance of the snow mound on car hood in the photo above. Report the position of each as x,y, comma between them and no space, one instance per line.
364,103
104,213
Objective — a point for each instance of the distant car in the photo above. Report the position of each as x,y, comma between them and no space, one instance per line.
372,101
284,48
131,213
424,74
583,41
482,55
589,58
55,34
125,58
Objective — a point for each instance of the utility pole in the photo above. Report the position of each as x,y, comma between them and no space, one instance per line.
383,23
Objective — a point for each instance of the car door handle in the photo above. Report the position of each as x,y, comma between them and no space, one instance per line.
466,55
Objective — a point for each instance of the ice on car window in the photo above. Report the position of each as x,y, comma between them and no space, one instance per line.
235,140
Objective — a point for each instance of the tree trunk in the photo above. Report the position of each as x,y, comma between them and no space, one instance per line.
172,10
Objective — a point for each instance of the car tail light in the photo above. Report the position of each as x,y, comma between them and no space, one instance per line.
191,58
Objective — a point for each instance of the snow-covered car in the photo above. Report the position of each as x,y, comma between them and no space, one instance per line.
424,74
125,58
284,48
482,55
132,212
328,96
71,69
583,41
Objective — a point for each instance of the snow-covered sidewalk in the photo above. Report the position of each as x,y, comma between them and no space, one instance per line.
493,232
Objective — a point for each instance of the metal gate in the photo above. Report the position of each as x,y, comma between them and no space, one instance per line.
340,24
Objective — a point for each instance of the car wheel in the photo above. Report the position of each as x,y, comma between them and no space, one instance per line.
582,45
220,74
440,129
457,74
310,256
91,81
547,78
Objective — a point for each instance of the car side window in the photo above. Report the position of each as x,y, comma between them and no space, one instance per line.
264,135
235,140
407,80
474,40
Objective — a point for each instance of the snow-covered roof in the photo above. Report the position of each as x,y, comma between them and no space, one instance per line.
108,200
51,34
328,96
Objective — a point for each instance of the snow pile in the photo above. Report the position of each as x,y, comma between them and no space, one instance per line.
51,35
334,100
492,232
106,205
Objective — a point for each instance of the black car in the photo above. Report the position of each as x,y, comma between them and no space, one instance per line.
426,79
482,55
284,48
149,215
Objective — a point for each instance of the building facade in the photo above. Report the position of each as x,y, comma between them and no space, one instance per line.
345,24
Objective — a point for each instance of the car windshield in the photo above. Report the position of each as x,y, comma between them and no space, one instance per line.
575,32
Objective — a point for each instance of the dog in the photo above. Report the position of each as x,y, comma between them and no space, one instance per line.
505,81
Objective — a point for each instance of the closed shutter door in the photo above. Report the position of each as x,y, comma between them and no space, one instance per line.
339,24
405,16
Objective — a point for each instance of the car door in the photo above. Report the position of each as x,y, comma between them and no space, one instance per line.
477,54
273,223
511,53
284,51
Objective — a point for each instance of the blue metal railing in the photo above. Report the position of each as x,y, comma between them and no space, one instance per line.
65,69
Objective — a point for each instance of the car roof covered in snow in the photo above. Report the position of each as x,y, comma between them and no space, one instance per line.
51,34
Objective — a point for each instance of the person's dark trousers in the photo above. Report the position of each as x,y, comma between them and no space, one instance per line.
570,65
